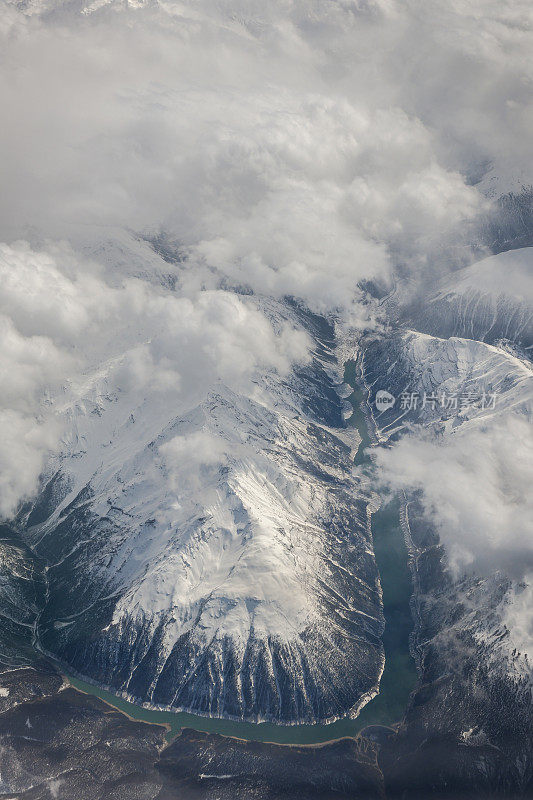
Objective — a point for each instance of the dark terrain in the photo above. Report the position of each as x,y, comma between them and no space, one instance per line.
56,742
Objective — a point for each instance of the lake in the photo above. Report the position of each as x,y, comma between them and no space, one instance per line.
399,676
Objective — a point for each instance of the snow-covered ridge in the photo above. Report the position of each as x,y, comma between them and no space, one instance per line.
214,556
458,441
489,301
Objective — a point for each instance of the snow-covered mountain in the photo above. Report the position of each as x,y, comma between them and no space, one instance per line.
489,300
457,442
464,405
215,557
215,212
446,383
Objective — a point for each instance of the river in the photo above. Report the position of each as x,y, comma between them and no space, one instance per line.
399,676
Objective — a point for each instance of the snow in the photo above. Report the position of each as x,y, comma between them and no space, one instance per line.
210,520
506,274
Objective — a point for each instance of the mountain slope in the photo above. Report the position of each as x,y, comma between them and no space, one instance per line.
218,560
489,301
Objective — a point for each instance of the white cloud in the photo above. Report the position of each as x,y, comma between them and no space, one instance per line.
476,486
63,327
185,457
290,147
24,444
517,615
284,147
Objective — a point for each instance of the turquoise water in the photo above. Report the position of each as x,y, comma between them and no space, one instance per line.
260,732
399,676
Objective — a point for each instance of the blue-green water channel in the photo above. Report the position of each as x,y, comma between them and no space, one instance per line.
399,676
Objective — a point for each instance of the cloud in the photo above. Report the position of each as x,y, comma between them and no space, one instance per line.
517,615
287,148
24,444
64,328
186,457
476,487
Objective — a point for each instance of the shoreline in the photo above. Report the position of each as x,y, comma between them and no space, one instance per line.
168,727
274,732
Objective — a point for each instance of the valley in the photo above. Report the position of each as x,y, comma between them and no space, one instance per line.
399,675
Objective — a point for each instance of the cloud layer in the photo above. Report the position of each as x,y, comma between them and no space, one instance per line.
295,148
476,486
63,327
